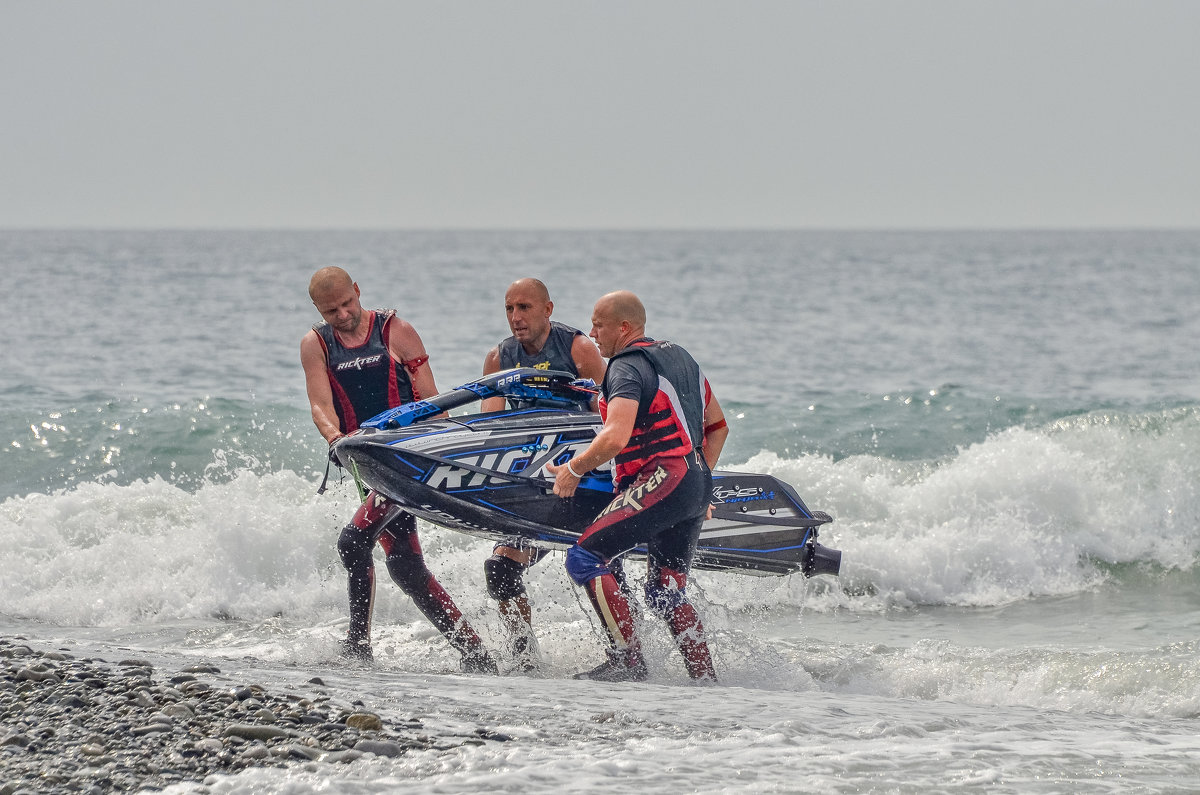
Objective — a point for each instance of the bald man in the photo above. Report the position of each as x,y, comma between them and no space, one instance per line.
545,344
665,430
358,363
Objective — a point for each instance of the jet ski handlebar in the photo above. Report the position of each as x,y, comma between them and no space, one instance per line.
548,387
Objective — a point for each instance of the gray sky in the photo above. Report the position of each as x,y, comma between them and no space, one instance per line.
562,114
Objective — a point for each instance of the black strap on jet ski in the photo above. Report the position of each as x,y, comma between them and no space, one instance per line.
324,480
329,459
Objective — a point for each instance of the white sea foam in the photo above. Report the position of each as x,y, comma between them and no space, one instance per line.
1025,514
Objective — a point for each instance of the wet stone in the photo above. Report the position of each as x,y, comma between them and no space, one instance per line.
365,721
302,751
33,674
256,751
379,747
150,728
253,732
200,668
210,745
349,755
495,736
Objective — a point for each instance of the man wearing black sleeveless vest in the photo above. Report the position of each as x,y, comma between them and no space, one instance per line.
664,429
358,363
536,341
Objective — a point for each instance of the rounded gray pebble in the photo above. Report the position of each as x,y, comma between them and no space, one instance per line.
379,747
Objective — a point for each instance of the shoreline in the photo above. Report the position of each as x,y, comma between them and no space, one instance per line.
90,725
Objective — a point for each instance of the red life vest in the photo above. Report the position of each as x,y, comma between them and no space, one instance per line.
673,424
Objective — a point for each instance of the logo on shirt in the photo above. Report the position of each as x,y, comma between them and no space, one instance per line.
359,363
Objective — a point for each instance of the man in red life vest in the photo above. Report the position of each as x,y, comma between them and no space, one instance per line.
665,430
544,344
358,363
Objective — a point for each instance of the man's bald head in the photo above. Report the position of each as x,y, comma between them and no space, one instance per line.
528,307
534,288
617,319
328,280
624,306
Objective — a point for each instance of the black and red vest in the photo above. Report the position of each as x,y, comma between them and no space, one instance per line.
365,380
673,424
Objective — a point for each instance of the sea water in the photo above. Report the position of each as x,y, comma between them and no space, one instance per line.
1004,425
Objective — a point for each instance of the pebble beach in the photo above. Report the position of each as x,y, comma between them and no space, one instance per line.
89,725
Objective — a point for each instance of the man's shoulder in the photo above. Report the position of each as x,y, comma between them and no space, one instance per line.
316,340
390,323
629,368
564,328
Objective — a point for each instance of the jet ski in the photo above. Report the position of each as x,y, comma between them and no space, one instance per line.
484,474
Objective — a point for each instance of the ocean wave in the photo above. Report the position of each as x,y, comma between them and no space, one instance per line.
1025,514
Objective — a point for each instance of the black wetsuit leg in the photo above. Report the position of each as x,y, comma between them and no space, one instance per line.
406,564
355,545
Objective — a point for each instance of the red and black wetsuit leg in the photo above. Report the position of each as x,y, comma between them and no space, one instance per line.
668,562
647,512
406,564
378,519
354,546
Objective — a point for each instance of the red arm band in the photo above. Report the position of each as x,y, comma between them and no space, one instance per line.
716,426
412,365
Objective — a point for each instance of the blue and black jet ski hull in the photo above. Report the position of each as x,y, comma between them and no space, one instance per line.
484,474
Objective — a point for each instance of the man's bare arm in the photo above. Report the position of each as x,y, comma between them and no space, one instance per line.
316,382
404,344
491,364
715,432
588,360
